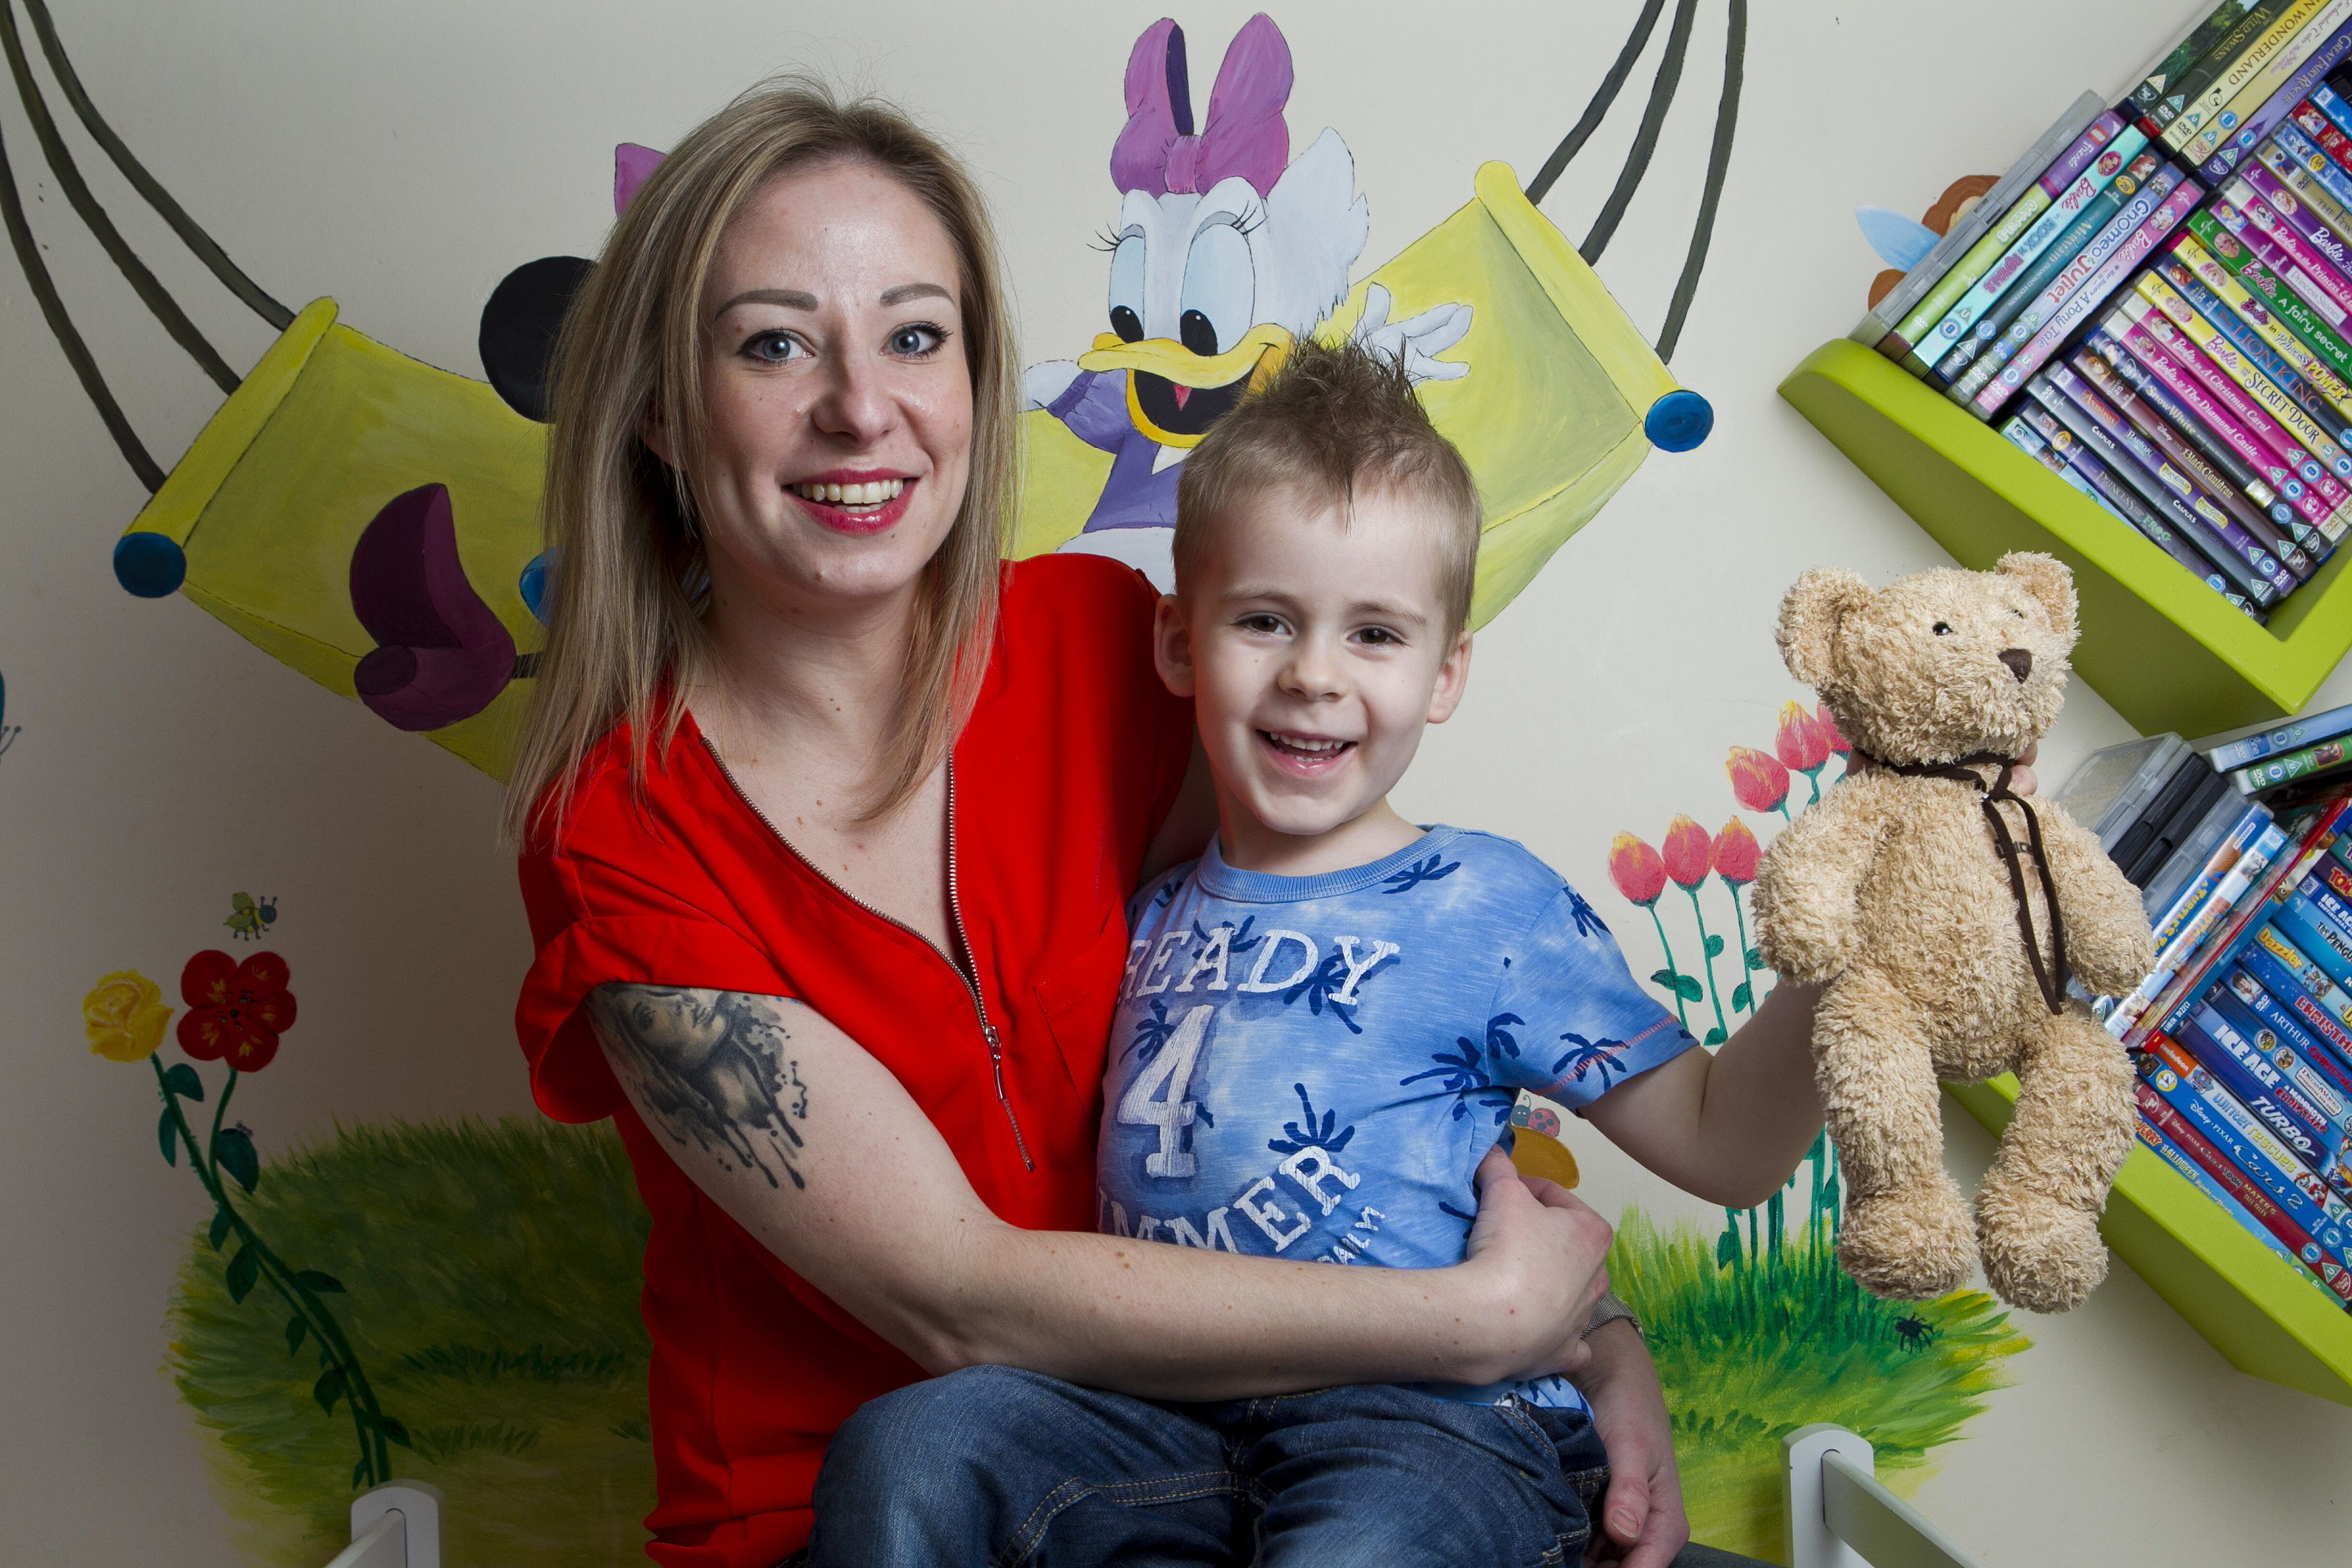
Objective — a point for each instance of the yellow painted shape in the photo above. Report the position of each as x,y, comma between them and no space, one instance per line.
271,499
1551,415
1062,478
193,480
1545,1157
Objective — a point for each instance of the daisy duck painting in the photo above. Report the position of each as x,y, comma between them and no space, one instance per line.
1225,252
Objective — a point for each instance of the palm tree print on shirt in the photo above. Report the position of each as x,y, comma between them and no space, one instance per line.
1586,1055
1324,988
1587,919
1413,876
1312,1133
1463,1069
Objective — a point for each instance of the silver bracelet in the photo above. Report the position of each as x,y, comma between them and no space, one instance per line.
1607,1309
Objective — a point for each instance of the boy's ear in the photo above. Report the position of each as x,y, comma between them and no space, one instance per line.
1453,679
1171,646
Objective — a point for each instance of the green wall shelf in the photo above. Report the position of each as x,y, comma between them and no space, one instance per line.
2166,652
2265,1318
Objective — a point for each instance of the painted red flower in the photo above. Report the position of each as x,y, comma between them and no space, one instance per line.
235,1011
1802,743
1757,779
1636,869
1689,849
1734,854
1838,742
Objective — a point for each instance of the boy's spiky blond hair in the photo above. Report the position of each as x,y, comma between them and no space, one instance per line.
1334,420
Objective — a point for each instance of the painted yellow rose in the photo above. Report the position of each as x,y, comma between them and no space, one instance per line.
124,1017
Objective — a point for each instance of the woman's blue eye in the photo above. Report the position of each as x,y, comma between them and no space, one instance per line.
917,341
773,348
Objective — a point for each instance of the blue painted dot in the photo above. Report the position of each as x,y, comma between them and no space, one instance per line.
149,565
1678,421
538,577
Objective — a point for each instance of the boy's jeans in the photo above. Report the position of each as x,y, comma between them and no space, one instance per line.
995,1465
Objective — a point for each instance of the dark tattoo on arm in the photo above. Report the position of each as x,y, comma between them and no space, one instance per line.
710,1065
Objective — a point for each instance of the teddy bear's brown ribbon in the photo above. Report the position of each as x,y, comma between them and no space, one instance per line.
2050,977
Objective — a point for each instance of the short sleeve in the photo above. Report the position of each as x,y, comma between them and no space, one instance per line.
597,923
1580,1021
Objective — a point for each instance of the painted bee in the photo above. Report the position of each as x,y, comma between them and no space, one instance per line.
247,918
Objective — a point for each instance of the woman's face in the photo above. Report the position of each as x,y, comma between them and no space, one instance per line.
838,403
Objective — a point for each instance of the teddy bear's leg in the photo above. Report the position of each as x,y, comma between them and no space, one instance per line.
1907,1232
2038,1207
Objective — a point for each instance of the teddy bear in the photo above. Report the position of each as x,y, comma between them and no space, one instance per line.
1942,915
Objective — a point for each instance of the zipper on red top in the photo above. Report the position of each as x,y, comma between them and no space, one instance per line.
967,971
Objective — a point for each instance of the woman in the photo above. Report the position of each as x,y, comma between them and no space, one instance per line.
828,823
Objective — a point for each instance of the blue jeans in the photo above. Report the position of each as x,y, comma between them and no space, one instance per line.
996,1465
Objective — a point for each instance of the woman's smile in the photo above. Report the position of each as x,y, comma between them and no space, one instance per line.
855,504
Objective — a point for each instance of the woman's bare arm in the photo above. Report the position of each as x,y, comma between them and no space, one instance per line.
817,1150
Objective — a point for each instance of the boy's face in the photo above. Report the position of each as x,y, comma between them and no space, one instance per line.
1313,653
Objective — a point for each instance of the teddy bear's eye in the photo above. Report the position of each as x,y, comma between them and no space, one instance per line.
2019,613
1943,629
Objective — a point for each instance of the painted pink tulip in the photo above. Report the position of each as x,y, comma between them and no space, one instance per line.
1736,853
1757,780
1689,851
1838,742
1636,869
1802,743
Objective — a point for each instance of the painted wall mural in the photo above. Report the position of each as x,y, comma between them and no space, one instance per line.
457,1300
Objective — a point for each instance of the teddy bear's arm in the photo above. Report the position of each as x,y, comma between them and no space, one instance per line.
2108,942
1808,889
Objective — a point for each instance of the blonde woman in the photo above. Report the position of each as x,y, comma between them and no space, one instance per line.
828,819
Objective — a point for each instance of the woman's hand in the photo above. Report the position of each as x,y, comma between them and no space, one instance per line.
1537,1237
1640,1522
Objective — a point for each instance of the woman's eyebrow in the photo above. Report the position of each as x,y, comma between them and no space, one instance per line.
791,299
798,300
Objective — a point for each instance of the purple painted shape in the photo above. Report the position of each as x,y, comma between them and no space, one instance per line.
630,164
441,655
1244,134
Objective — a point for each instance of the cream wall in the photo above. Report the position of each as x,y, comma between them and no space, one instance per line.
403,158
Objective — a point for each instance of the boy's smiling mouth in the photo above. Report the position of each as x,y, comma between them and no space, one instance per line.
1306,755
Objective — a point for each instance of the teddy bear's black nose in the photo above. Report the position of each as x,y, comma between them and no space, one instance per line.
2019,662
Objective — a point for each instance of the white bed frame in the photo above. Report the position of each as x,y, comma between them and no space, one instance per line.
1840,1516
396,1525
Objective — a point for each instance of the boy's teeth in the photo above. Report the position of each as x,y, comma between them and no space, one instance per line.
872,493
1297,744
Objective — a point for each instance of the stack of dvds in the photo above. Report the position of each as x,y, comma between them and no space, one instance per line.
2156,301
2242,1033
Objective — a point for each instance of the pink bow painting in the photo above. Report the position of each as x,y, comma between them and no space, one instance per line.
1158,151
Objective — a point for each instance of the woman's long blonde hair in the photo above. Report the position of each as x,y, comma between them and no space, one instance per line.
625,636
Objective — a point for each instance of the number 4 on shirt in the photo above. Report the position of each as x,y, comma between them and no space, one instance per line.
1166,1074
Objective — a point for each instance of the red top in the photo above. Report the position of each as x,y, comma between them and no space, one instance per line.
1069,762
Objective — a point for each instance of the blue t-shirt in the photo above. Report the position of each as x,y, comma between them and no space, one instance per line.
1313,1067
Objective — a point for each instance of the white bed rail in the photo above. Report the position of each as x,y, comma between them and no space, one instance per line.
396,1525
1840,1516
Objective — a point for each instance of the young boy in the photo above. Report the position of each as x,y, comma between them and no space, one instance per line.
1325,1020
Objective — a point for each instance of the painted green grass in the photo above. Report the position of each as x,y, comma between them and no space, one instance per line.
1753,1351
492,1274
